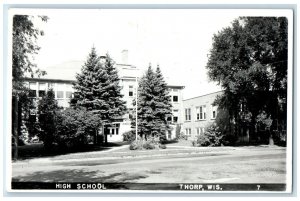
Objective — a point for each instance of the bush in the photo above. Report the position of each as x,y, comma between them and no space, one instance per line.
183,136
162,146
130,136
195,144
211,137
136,145
76,126
229,140
149,144
177,132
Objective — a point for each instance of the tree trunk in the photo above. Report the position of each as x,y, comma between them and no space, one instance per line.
271,141
96,137
105,138
15,126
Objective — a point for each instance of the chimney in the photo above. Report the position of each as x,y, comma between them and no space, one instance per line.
125,57
102,59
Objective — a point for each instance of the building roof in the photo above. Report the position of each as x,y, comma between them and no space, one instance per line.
203,95
66,72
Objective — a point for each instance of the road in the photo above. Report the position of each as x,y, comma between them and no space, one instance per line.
232,165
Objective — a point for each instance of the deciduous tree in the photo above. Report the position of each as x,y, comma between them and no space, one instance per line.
24,47
249,61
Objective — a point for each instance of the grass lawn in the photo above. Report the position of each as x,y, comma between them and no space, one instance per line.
36,150
234,165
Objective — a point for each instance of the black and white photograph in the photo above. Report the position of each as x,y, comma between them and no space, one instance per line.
150,100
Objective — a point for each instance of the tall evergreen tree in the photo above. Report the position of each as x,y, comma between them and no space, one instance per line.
153,105
97,88
117,106
164,106
146,105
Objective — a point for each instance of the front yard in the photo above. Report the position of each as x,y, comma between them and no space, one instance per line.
260,164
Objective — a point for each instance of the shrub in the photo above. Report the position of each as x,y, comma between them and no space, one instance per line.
229,140
135,145
183,136
162,146
130,136
211,137
177,132
76,126
149,144
195,144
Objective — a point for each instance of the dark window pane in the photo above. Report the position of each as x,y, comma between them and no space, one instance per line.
131,93
32,118
175,98
175,119
32,93
42,93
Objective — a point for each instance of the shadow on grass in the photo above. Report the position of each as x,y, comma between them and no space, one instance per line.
79,176
169,142
37,150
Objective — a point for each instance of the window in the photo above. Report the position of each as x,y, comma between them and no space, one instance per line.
175,119
169,118
130,90
188,114
68,94
175,98
32,85
60,94
188,131
201,112
51,86
175,90
200,130
32,93
213,112
42,89
175,116
42,93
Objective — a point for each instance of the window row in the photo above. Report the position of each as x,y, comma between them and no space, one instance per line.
199,131
58,94
201,113
55,86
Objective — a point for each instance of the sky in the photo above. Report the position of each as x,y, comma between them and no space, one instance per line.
177,40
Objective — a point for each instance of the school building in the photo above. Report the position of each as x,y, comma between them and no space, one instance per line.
128,74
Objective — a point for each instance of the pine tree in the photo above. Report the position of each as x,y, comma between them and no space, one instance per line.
145,115
163,100
153,105
98,90
90,84
47,110
117,106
